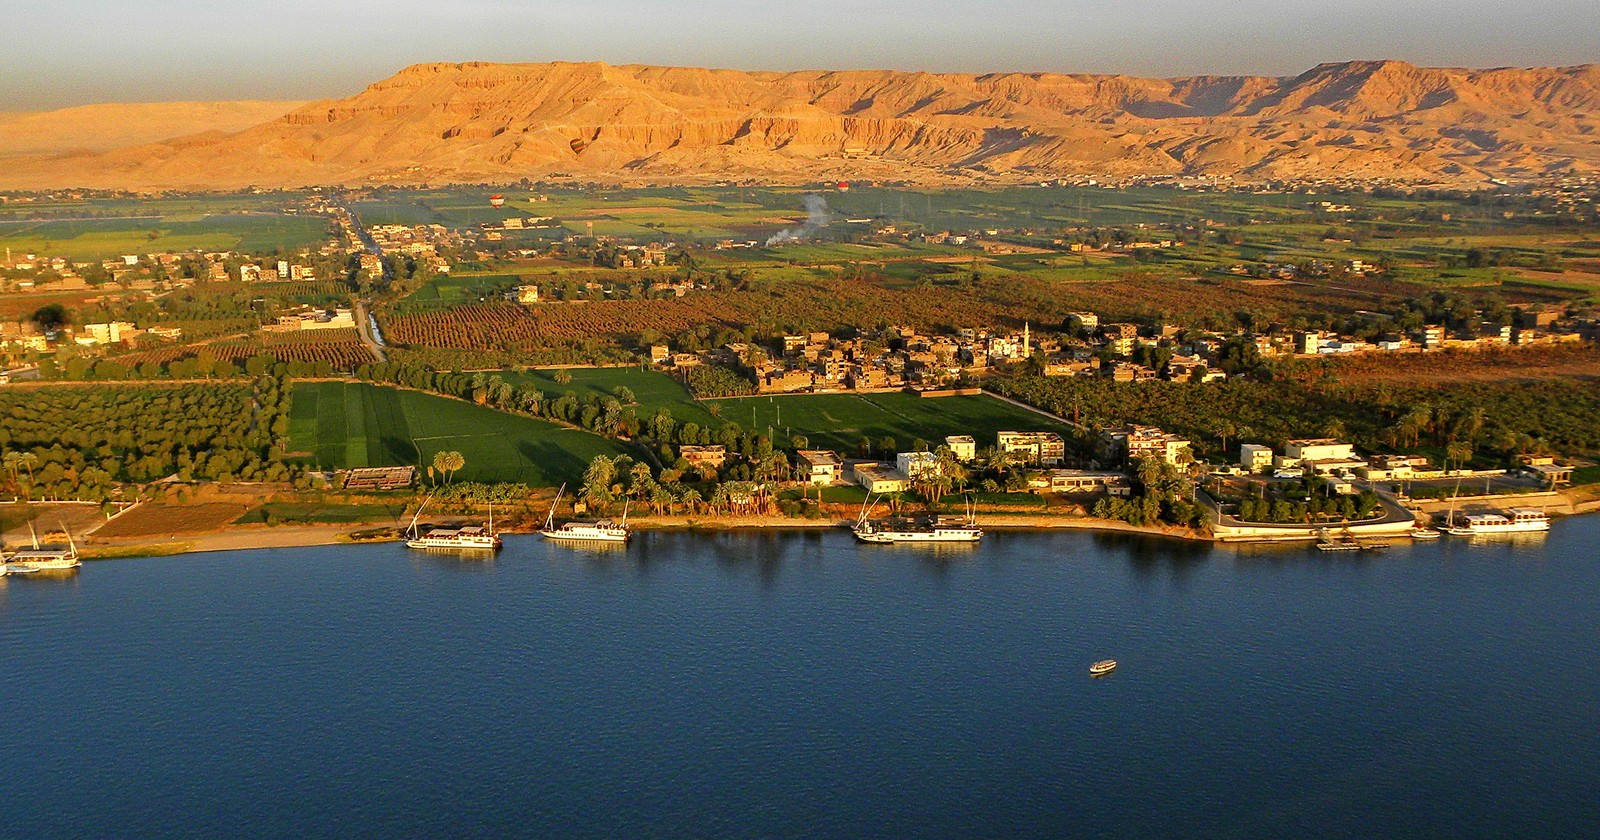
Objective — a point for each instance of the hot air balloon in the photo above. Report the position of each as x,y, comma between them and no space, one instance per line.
843,186
578,146
497,200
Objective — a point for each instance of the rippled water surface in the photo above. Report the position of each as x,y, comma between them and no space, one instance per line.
804,685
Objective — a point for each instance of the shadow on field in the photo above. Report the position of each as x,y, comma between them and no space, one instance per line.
552,460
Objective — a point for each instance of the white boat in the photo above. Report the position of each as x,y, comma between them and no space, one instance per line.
1519,521
603,530
1103,667
27,561
911,531
937,529
1424,533
469,538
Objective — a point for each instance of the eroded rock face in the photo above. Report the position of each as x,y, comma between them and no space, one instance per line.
445,122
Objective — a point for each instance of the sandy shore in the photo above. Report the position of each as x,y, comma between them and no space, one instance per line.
297,536
232,539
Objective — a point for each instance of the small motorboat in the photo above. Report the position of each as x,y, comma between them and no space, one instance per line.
1103,667
1422,532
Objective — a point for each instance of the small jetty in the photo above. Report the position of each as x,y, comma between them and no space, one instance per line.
1327,541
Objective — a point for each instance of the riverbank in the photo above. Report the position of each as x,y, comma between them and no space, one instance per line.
242,538
246,537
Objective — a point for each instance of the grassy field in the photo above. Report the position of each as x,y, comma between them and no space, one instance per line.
840,421
90,239
835,421
343,425
652,390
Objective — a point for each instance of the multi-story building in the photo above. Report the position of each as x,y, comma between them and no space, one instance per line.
1043,448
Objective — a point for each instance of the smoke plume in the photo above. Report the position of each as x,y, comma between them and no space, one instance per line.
817,217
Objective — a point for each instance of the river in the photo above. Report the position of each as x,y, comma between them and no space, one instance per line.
801,685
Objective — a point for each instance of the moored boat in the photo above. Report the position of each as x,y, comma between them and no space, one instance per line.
1519,521
603,530
1424,533
27,561
933,529
467,538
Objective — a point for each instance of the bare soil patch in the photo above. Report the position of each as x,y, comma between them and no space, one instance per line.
155,519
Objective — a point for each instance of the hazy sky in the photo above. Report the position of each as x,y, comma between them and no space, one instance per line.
67,52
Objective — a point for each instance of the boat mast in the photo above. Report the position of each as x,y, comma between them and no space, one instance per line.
1451,520
550,518
625,503
72,547
411,530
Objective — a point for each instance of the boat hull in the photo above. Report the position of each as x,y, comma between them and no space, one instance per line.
1490,530
952,535
585,536
448,545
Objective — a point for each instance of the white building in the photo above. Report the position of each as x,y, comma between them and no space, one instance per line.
878,478
1255,457
914,464
825,465
963,447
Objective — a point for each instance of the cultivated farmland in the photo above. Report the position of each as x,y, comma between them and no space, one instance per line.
346,424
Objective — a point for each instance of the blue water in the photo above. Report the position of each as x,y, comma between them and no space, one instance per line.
803,685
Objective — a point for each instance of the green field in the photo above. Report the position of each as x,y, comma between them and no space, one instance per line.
833,421
348,424
840,421
91,239
652,390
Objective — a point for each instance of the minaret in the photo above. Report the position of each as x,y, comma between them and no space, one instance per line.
1025,352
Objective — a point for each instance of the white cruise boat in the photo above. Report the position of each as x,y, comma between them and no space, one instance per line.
603,530
937,529
469,538
1519,521
30,560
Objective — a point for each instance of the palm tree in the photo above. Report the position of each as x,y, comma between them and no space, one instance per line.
691,500
640,481
660,499
446,462
1000,460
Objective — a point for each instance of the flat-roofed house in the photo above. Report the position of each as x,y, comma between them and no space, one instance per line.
825,465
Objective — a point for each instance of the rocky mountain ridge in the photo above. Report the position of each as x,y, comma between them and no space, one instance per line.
434,123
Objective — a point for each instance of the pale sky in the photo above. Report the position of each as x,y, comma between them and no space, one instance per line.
56,53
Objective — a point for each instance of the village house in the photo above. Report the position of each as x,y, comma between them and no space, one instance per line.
705,460
309,318
1546,469
963,447
1080,482
824,465
1133,442
1255,457
879,478
914,464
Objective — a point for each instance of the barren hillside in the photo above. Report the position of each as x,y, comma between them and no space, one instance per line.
458,122
97,128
